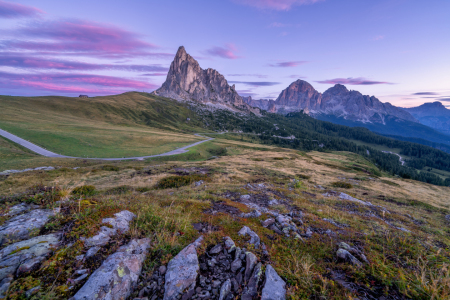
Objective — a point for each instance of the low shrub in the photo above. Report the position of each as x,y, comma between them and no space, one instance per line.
221,151
341,184
84,190
123,189
110,168
303,176
179,181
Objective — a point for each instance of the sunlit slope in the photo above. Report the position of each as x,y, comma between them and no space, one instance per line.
130,124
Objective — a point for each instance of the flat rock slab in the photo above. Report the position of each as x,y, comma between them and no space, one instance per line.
24,257
181,273
118,273
19,227
120,224
275,287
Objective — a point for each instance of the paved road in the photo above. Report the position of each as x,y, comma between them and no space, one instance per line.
44,152
399,157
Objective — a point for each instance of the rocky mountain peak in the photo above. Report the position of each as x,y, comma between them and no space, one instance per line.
337,89
186,80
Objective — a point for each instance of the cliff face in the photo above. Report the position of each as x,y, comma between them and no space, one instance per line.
338,101
187,81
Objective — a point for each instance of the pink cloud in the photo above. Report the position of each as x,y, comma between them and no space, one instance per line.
23,61
353,81
225,52
275,4
287,64
378,37
78,37
77,83
13,10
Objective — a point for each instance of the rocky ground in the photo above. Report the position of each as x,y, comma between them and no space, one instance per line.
221,229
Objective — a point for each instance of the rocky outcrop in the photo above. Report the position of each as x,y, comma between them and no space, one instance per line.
261,104
23,257
275,287
186,80
182,272
337,101
119,224
117,274
19,227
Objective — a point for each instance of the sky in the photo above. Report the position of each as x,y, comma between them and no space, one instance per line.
395,50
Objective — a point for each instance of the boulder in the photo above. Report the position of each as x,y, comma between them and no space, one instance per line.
18,228
23,257
252,287
347,256
275,287
181,273
117,274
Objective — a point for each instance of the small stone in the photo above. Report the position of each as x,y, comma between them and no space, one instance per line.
79,257
244,197
236,265
347,256
225,289
162,270
92,251
188,294
81,272
254,238
216,249
268,222
252,286
79,279
229,244
250,264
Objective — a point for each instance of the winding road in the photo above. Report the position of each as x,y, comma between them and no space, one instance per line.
45,152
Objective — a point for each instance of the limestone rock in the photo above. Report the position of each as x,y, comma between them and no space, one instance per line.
338,101
252,286
19,227
117,274
23,257
275,287
120,224
347,256
181,273
254,238
187,81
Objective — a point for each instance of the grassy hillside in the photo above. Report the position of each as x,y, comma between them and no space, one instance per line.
404,235
130,124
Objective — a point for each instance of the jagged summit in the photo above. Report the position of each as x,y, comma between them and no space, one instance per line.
186,80
337,101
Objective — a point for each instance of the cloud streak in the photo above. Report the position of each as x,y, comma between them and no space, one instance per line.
29,62
228,51
79,37
288,64
256,83
13,11
282,5
72,83
352,81
425,94
249,75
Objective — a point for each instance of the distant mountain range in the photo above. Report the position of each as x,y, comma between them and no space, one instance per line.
187,81
434,115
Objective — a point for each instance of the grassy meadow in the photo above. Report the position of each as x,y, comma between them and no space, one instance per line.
130,124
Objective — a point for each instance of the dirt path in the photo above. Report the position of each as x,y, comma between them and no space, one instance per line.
45,152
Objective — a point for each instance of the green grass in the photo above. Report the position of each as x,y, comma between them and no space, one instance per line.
130,124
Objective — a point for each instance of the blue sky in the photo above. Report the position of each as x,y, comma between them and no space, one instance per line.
397,50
